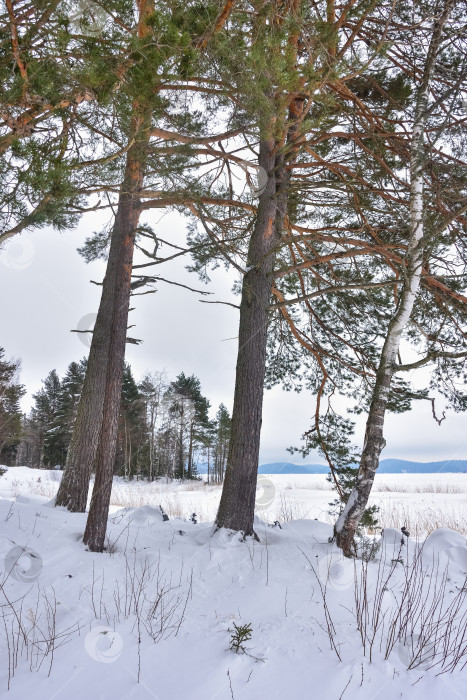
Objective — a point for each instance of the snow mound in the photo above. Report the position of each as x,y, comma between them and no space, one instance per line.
391,536
27,499
444,543
143,516
394,545
444,539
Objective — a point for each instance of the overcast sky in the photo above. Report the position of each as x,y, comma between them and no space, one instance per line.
45,292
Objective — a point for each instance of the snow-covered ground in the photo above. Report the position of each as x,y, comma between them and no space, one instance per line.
153,616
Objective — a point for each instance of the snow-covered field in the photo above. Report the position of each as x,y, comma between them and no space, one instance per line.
422,502
153,616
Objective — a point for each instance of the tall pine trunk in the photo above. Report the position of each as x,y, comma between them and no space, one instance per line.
74,487
126,223
236,508
374,442
104,373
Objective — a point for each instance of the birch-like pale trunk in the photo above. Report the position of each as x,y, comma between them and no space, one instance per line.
347,523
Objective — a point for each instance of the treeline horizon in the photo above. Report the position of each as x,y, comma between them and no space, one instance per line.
164,430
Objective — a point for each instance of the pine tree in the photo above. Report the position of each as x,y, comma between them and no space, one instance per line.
289,59
160,42
152,389
191,408
341,216
47,74
421,246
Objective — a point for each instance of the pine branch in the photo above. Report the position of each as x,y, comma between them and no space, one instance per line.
141,280
331,290
225,303
432,355
181,138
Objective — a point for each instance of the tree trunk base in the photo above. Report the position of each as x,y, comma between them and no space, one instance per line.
345,540
235,531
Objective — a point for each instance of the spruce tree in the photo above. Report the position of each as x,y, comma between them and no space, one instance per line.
132,436
221,441
57,439
11,392
43,417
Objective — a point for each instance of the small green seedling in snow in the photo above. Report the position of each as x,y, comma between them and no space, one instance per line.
239,636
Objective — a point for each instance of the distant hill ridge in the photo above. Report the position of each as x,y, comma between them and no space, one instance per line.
386,466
